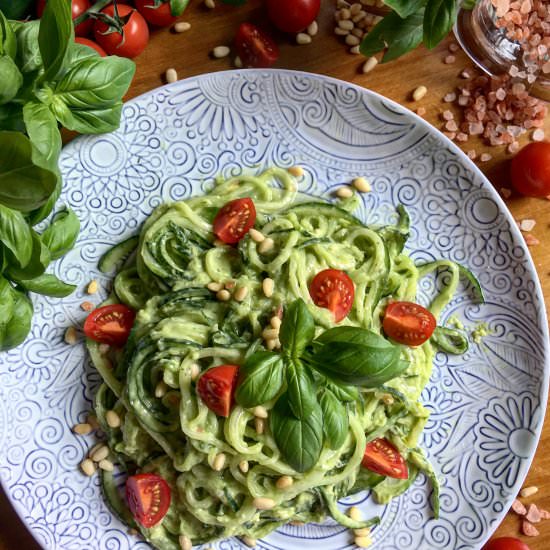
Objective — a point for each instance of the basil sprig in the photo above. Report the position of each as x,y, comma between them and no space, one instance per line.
49,80
313,380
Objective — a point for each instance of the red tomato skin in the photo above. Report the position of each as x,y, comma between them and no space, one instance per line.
216,387
90,44
159,17
143,487
383,458
121,319
136,33
78,8
234,220
408,323
333,289
293,15
255,47
505,543
531,170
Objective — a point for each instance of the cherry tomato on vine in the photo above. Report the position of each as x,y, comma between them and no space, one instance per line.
135,35
531,170
148,497
78,8
234,220
110,324
293,15
155,14
90,44
383,458
216,388
334,290
255,47
408,323
505,543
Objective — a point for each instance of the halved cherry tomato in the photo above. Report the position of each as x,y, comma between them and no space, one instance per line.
255,47
216,388
156,14
110,324
148,497
334,290
408,323
78,8
531,170
505,543
293,15
91,44
135,32
234,220
383,458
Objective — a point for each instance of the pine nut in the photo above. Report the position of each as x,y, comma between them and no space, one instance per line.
345,13
133,532
271,344
260,412
302,38
219,462
296,171
362,185
340,32
210,4
363,542
346,24
106,465
87,306
364,532
297,523
221,51
387,399
161,389
182,26
259,425
359,17
355,514
352,40
185,542
266,245
113,420
528,491
71,336
249,541
87,467
263,503
358,32
355,50
342,4
95,448
171,76
100,454
268,286
214,287
195,371
284,482
238,62
92,287
344,193
369,64
82,429
243,466
270,333
241,293
313,28
103,348
275,322
256,236
223,295
419,93
355,8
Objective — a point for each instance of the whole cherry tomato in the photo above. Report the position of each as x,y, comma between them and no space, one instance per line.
155,14
505,543
293,15
531,170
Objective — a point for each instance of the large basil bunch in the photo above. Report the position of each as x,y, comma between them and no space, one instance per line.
47,80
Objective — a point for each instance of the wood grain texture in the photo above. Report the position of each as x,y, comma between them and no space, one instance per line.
188,53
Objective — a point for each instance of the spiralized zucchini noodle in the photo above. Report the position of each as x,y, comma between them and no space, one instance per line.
182,330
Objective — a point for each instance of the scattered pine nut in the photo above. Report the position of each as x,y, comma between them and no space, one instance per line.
346,24
95,448
113,420
223,295
185,542
296,171
243,466
344,193
171,76
219,462
363,532
345,13
87,306
92,287
221,51
313,28
275,322
241,293
210,4
341,32
538,135
355,50
106,465
271,344
363,542
362,185
266,245
82,429
249,541
100,454
133,532
486,157
419,93
238,62
260,412
259,425
161,389
527,225
369,64
263,503
256,236
302,38
71,336
214,287
352,40
270,333
182,26
355,514
284,482
195,371
268,286
528,491
87,467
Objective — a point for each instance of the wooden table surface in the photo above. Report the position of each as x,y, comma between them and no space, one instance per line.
188,53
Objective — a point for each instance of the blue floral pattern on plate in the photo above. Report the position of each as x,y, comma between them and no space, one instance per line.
487,406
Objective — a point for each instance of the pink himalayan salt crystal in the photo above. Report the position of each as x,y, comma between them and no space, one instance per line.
528,529
531,240
447,115
449,59
450,135
472,154
453,47
517,506
461,136
486,157
451,126
513,147
544,514
421,111
450,97
533,514
507,193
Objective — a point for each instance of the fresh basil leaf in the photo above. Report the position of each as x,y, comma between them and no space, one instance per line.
11,118
335,419
15,234
79,52
439,19
300,390
36,216
16,330
48,285
343,393
16,9
24,186
11,79
260,379
28,56
299,440
7,303
177,7
88,121
8,42
62,233
297,329
38,263
449,340
55,34
44,134
404,8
